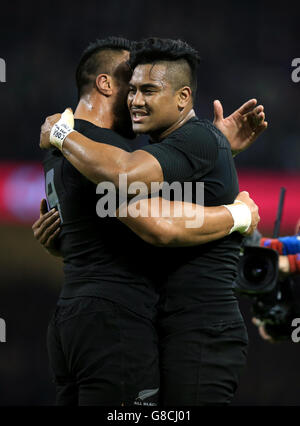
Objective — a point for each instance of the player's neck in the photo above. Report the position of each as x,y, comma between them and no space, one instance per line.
95,111
180,122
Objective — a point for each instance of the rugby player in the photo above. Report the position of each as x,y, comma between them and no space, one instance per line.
209,160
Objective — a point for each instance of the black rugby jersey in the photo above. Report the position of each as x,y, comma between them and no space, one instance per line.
203,274
102,257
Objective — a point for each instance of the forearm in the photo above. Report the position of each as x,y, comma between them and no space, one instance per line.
176,231
100,162
96,161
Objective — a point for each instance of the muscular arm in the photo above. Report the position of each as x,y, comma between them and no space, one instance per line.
172,231
182,224
100,162
159,231
161,227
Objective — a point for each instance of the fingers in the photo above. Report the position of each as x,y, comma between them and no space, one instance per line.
260,129
247,106
256,321
42,218
41,231
50,242
264,334
68,117
45,228
218,111
244,197
48,230
260,115
46,129
255,218
255,117
43,207
250,231
256,121
44,137
261,329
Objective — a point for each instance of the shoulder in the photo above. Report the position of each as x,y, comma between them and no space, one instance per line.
109,137
102,135
220,138
194,130
200,128
197,137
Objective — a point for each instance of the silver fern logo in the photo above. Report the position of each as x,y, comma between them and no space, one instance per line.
2,71
144,396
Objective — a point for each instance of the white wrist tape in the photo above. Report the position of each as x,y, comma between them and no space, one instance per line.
61,129
241,215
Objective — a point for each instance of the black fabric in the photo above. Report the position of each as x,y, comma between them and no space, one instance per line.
186,154
199,152
102,354
203,274
202,335
102,257
202,366
195,283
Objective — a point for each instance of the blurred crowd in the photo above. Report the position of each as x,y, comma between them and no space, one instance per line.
246,52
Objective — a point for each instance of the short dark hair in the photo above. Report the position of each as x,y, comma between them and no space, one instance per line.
99,57
154,49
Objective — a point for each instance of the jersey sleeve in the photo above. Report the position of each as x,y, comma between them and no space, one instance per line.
187,154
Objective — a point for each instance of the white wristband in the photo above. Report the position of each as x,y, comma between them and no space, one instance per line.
241,215
59,132
62,128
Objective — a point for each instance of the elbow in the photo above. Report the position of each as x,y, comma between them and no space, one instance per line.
98,175
160,241
163,236
126,174
118,175
94,173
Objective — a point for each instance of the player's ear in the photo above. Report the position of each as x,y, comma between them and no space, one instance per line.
183,96
104,84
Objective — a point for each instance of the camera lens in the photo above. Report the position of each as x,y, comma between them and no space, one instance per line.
256,270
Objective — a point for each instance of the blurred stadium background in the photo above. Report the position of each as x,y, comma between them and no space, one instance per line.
246,52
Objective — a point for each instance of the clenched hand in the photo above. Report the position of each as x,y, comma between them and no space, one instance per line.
46,228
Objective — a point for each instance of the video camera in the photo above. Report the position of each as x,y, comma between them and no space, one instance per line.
275,300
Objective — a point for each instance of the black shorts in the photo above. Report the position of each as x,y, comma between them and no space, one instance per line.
201,363
102,354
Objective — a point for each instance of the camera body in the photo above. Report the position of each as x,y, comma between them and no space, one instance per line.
274,299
